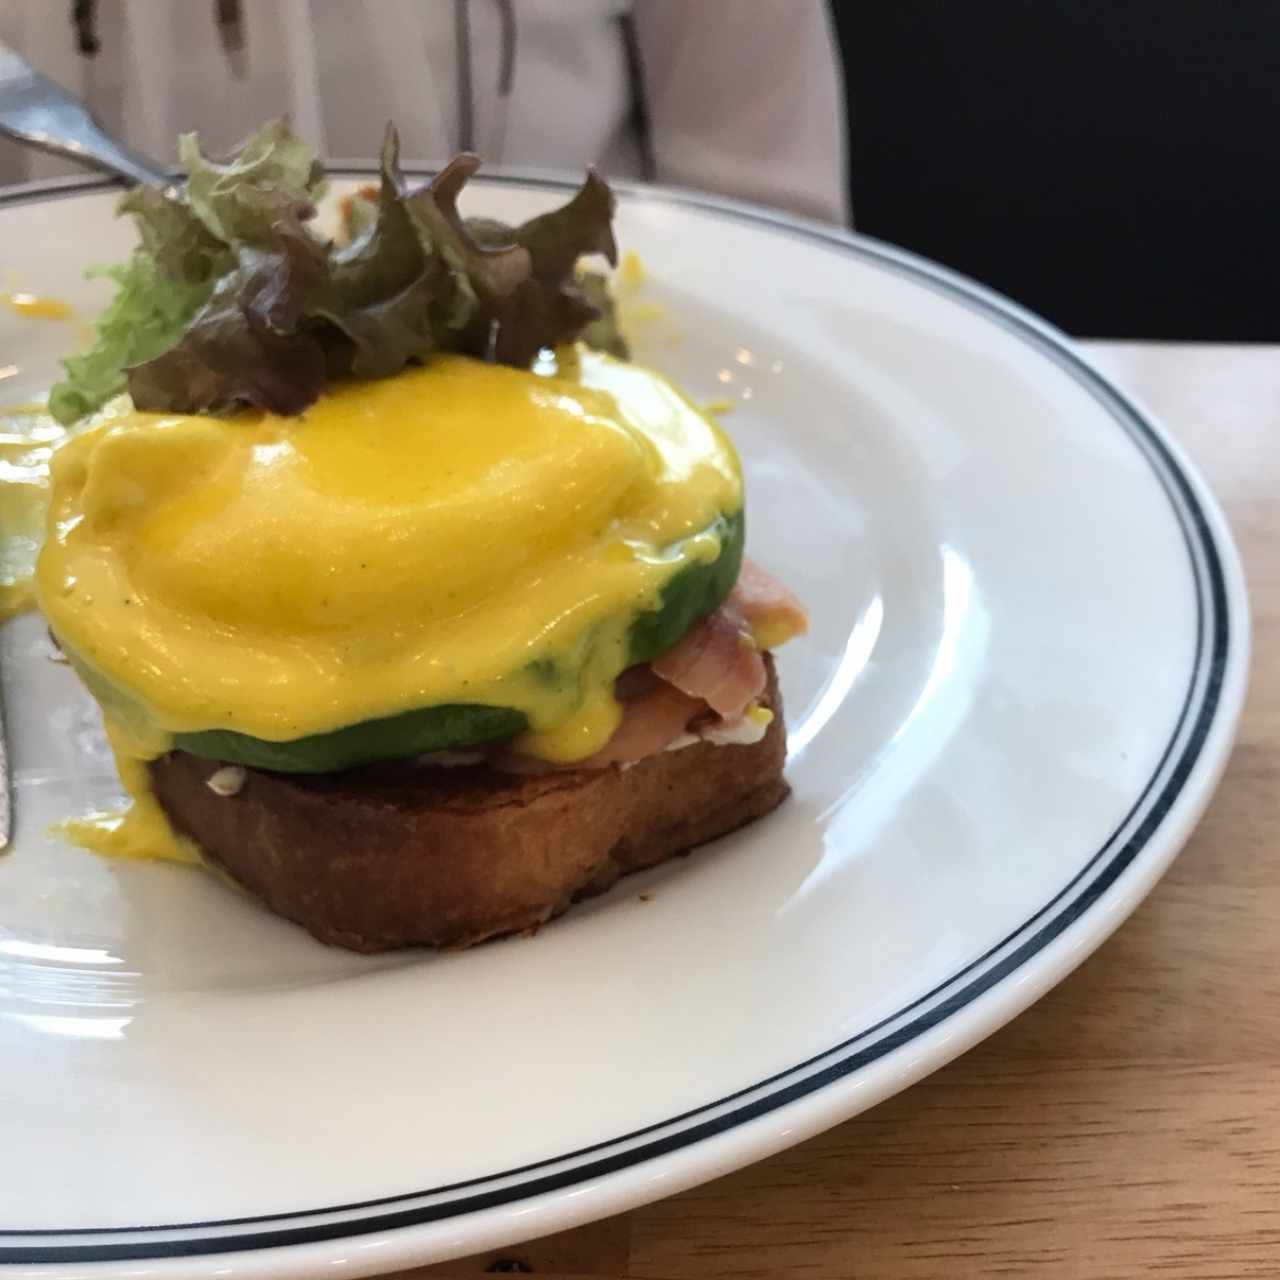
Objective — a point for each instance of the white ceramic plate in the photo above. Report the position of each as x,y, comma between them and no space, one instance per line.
1027,660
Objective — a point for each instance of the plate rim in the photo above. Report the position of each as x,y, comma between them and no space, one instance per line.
1211,711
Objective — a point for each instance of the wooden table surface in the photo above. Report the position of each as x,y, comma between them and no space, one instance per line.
1129,1123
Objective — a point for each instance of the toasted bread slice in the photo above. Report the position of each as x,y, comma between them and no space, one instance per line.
401,855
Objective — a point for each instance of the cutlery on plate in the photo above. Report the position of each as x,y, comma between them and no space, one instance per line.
35,110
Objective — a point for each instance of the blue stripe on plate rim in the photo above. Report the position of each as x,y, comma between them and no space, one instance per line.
1213,645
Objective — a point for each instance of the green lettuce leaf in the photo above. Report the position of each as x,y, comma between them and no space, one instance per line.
172,235
604,332
387,292
240,199
230,299
148,314
247,344
523,277
182,255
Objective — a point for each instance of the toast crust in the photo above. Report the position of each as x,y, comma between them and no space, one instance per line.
402,855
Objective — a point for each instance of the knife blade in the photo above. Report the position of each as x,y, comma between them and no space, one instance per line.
6,795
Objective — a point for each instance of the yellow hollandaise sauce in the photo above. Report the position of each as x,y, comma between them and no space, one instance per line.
28,436
442,537
142,830
33,307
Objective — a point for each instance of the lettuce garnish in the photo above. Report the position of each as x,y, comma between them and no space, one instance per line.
232,299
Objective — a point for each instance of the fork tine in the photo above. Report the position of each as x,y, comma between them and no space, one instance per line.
36,111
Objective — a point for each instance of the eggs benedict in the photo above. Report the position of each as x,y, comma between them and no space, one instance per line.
419,617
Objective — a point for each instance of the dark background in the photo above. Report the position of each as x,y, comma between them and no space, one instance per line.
1114,166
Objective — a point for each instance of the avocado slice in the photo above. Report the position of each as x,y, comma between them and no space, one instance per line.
691,594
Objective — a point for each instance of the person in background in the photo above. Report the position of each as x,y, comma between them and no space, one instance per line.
740,97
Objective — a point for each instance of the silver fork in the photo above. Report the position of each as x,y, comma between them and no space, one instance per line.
36,111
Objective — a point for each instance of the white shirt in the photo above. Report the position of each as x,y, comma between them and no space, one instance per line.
744,96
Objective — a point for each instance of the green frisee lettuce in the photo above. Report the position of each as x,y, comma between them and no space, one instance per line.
231,299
